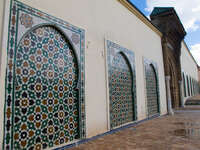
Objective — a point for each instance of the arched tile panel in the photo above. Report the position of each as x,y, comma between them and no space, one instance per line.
44,99
122,87
121,98
152,88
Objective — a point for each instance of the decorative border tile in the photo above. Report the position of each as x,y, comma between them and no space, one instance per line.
147,63
112,50
22,19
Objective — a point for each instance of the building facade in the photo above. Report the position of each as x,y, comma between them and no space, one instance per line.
72,71
189,73
167,21
199,73
178,61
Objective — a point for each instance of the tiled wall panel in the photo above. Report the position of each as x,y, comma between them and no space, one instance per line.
152,88
45,104
122,85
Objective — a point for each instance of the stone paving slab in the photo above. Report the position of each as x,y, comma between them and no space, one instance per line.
178,132
190,108
195,100
197,97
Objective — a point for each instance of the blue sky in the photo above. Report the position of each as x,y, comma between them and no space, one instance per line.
141,5
189,14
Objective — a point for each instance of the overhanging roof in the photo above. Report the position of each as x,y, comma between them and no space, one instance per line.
168,12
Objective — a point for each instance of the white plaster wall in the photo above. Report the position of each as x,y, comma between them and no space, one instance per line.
199,75
1,15
4,17
1,29
108,19
1,24
188,66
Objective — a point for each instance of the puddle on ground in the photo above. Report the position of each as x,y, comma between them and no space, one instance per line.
188,130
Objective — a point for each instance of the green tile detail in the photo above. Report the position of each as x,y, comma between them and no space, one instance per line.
152,88
122,85
45,103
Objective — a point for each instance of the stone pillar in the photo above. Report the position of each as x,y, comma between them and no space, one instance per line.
169,100
181,93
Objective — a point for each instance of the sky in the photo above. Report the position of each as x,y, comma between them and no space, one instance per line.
189,14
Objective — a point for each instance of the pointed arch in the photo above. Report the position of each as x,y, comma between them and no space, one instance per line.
174,85
60,30
15,31
46,100
157,85
121,98
152,89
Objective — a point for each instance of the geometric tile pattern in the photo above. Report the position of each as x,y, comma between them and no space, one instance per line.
122,98
152,88
44,99
121,85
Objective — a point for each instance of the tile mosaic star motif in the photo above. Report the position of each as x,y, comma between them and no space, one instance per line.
152,88
26,20
44,100
122,85
121,103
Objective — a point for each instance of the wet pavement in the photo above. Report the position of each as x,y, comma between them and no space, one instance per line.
178,132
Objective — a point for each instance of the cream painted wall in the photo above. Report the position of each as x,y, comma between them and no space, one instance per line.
1,15
1,24
188,66
199,75
3,50
104,19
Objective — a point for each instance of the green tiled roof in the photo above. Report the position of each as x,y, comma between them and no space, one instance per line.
159,10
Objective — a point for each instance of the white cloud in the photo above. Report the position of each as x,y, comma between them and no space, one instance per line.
195,50
197,9
191,24
187,10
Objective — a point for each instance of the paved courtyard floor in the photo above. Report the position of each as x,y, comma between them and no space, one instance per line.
178,132
197,97
195,100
